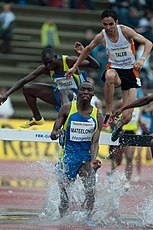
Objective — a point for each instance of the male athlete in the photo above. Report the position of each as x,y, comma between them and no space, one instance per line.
54,66
122,68
82,125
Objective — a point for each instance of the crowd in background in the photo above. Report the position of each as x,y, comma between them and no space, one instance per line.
135,14
122,5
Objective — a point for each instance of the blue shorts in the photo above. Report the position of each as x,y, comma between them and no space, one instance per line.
58,98
56,91
73,161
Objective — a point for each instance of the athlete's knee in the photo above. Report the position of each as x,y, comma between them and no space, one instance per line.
110,76
26,88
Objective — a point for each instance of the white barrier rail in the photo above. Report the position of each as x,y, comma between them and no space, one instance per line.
43,136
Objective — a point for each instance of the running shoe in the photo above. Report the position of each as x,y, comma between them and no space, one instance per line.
116,133
106,121
32,122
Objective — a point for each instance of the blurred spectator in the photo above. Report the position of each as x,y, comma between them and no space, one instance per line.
99,53
88,36
122,11
56,3
81,4
144,24
133,17
149,4
40,2
7,19
145,71
22,2
49,34
6,109
95,101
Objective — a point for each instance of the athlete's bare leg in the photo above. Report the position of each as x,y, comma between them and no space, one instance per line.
42,91
112,81
138,160
87,175
129,153
128,96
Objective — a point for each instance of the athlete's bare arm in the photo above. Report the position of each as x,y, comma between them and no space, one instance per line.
138,103
90,61
19,84
87,50
62,116
95,141
131,34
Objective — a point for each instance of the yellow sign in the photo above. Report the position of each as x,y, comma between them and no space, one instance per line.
23,150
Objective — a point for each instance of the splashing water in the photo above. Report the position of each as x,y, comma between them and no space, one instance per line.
106,208
146,211
108,198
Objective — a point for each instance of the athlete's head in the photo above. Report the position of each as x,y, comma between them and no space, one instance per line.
109,20
86,91
49,58
109,13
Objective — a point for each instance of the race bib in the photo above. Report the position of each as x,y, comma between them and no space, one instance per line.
121,55
64,83
81,131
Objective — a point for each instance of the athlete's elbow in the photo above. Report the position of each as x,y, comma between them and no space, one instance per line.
151,44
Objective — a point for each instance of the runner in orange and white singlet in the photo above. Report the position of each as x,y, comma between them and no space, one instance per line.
122,69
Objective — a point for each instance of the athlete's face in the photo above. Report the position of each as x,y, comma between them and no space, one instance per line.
109,24
50,62
86,91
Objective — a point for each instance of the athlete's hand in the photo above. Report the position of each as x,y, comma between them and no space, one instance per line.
95,164
78,47
116,113
56,133
70,72
138,64
2,99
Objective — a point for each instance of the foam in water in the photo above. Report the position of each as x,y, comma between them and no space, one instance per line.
108,194
106,208
146,211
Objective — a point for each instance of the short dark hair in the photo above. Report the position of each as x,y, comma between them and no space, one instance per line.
109,13
93,86
48,51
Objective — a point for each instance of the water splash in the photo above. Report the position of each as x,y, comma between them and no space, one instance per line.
146,211
107,210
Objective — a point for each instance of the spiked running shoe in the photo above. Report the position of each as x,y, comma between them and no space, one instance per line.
106,121
32,122
116,133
